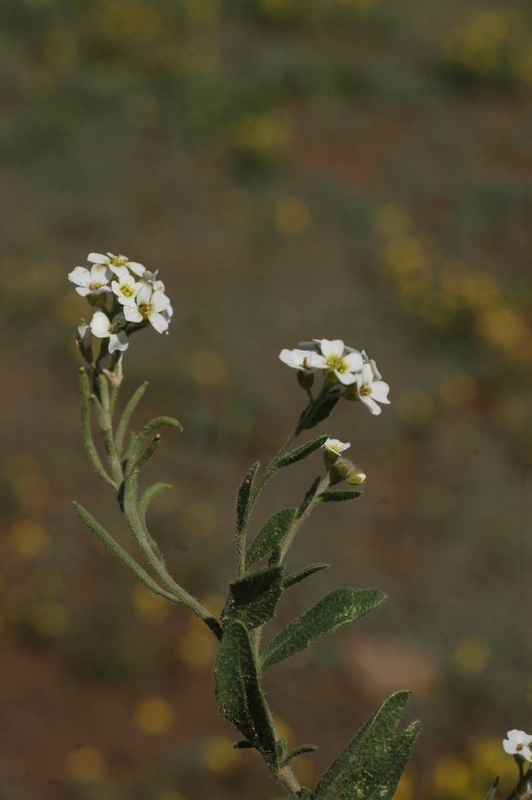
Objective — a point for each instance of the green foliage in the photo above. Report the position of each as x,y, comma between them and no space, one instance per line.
244,497
303,452
270,535
296,577
238,692
336,608
339,496
299,751
371,765
253,599
310,418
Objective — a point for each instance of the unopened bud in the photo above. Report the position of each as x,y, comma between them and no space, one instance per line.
351,393
305,379
346,471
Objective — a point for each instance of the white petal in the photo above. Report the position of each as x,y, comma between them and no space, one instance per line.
80,275
100,325
316,361
98,258
332,347
138,269
371,404
100,274
118,341
347,378
132,314
354,361
83,290
144,294
159,322
159,300
379,391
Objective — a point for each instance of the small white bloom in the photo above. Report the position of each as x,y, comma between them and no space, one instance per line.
125,288
298,359
103,327
93,281
518,744
371,390
151,305
344,363
336,446
115,262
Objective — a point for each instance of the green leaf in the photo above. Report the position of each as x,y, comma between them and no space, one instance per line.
302,452
253,599
244,745
309,497
492,791
372,763
304,748
320,413
295,577
333,610
239,694
337,497
270,535
244,496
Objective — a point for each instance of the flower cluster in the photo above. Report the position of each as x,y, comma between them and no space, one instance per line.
344,365
518,744
137,299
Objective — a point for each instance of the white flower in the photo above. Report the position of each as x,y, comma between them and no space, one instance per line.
93,281
103,327
151,305
336,446
125,288
298,359
344,363
518,744
371,390
115,262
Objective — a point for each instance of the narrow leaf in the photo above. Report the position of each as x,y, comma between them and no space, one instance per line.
150,494
335,609
305,748
244,745
371,743
128,413
492,791
320,413
244,496
238,692
270,535
253,599
309,497
302,452
295,577
337,497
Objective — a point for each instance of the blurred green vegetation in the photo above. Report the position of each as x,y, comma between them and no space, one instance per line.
295,168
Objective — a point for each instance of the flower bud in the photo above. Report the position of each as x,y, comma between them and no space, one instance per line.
346,471
351,393
305,379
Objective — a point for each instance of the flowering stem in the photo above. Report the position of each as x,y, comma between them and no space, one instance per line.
87,433
299,519
128,413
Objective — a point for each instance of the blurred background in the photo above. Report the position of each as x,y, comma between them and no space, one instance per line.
355,169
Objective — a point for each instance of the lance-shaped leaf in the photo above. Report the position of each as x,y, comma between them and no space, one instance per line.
270,535
374,759
238,692
492,791
318,415
253,599
244,497
295,577
302,452
338,496
335,609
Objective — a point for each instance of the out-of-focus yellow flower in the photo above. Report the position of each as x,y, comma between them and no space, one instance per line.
50,619
472,655
457,388
358,6
392,220
28,538
281,10
283,728
209,369
522,64
214,603
489,759
291,216
150,606
197,647
154,716
452,778
86,765
304,769
47,581
266,133
415,407
405,789
405,255
220,757
201,55
31,487
199,519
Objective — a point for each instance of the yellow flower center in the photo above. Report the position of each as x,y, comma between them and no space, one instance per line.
337,363
119,261
145,309
127,290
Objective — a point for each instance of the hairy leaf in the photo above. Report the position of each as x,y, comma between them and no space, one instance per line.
319,414
270,535
309,497
372,763
333,610
337,497
253,599
238,692
295,577
302,452
244,496
299,751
